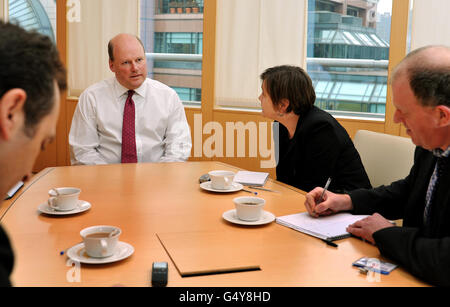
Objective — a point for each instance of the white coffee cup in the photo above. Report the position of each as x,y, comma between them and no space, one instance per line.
100,241
249,208
221,180
63,199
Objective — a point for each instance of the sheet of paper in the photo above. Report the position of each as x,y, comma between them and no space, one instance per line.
331,227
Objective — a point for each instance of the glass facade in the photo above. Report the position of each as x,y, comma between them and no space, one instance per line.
180,6
171,27
189,94
39,15
178,43
344,31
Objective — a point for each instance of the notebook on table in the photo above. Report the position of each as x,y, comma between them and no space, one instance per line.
329,228
206,253
251,178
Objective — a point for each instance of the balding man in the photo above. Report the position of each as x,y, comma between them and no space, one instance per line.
421,96
129,118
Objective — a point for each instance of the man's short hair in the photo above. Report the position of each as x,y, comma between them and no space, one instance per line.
429,77
291,83
30,61
431,86
111,48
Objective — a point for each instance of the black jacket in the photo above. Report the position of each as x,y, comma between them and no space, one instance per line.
6,259
320,148
424,251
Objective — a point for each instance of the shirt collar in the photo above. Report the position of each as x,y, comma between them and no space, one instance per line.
120,90
442,153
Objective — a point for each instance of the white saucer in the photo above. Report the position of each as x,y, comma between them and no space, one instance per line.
81,207
234,187
78,253
231,216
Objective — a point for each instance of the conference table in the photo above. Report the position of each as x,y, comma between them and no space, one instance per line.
160,208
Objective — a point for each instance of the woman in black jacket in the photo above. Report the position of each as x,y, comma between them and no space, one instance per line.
313,146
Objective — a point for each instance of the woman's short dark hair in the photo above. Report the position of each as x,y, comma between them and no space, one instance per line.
30,61
291,83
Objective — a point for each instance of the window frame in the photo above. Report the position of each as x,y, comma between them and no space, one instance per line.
398,50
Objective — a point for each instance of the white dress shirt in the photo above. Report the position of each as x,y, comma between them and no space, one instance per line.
162,131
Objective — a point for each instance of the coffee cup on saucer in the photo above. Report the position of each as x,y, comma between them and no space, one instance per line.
249,208
63,199
100,241
221,180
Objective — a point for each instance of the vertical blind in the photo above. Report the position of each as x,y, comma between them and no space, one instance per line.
100,20
430,25
251,36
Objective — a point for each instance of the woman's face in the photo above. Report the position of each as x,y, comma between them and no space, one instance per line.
268,108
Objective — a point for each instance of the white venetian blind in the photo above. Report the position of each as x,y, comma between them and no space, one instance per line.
251,36
430,24
100,20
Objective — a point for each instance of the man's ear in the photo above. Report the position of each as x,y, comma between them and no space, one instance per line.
11,112
444,115
111,66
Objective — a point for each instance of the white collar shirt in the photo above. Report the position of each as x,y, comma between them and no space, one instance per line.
162,131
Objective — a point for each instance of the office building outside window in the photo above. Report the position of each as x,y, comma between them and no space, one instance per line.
172,33
348,53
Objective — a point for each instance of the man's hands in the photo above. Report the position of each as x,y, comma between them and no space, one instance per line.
365,228
333,203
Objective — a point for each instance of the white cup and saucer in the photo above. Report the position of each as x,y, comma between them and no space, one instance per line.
64,201
221,182
100,245
249,211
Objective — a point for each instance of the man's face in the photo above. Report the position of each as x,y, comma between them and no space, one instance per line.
130,64
24,149
420,121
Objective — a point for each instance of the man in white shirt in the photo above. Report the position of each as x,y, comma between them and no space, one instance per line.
158,120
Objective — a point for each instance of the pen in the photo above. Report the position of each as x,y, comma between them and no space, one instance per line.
330,243
324,190
251,192
264,189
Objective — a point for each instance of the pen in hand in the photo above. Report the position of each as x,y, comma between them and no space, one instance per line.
324,190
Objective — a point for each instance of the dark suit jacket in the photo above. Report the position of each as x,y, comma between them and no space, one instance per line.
320,148
424,251
6,259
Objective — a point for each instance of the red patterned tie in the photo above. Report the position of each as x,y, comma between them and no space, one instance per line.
129,154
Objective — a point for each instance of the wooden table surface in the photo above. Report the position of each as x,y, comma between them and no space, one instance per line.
149,199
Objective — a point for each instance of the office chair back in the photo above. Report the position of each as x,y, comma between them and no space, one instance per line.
385,157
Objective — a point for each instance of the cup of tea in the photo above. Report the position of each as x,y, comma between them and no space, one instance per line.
221,180
100,241
249,208
63,199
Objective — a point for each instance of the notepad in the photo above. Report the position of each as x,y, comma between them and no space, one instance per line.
251,178
206,253
330,228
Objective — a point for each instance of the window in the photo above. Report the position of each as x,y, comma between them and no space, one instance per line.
37,15
348,53
172,33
